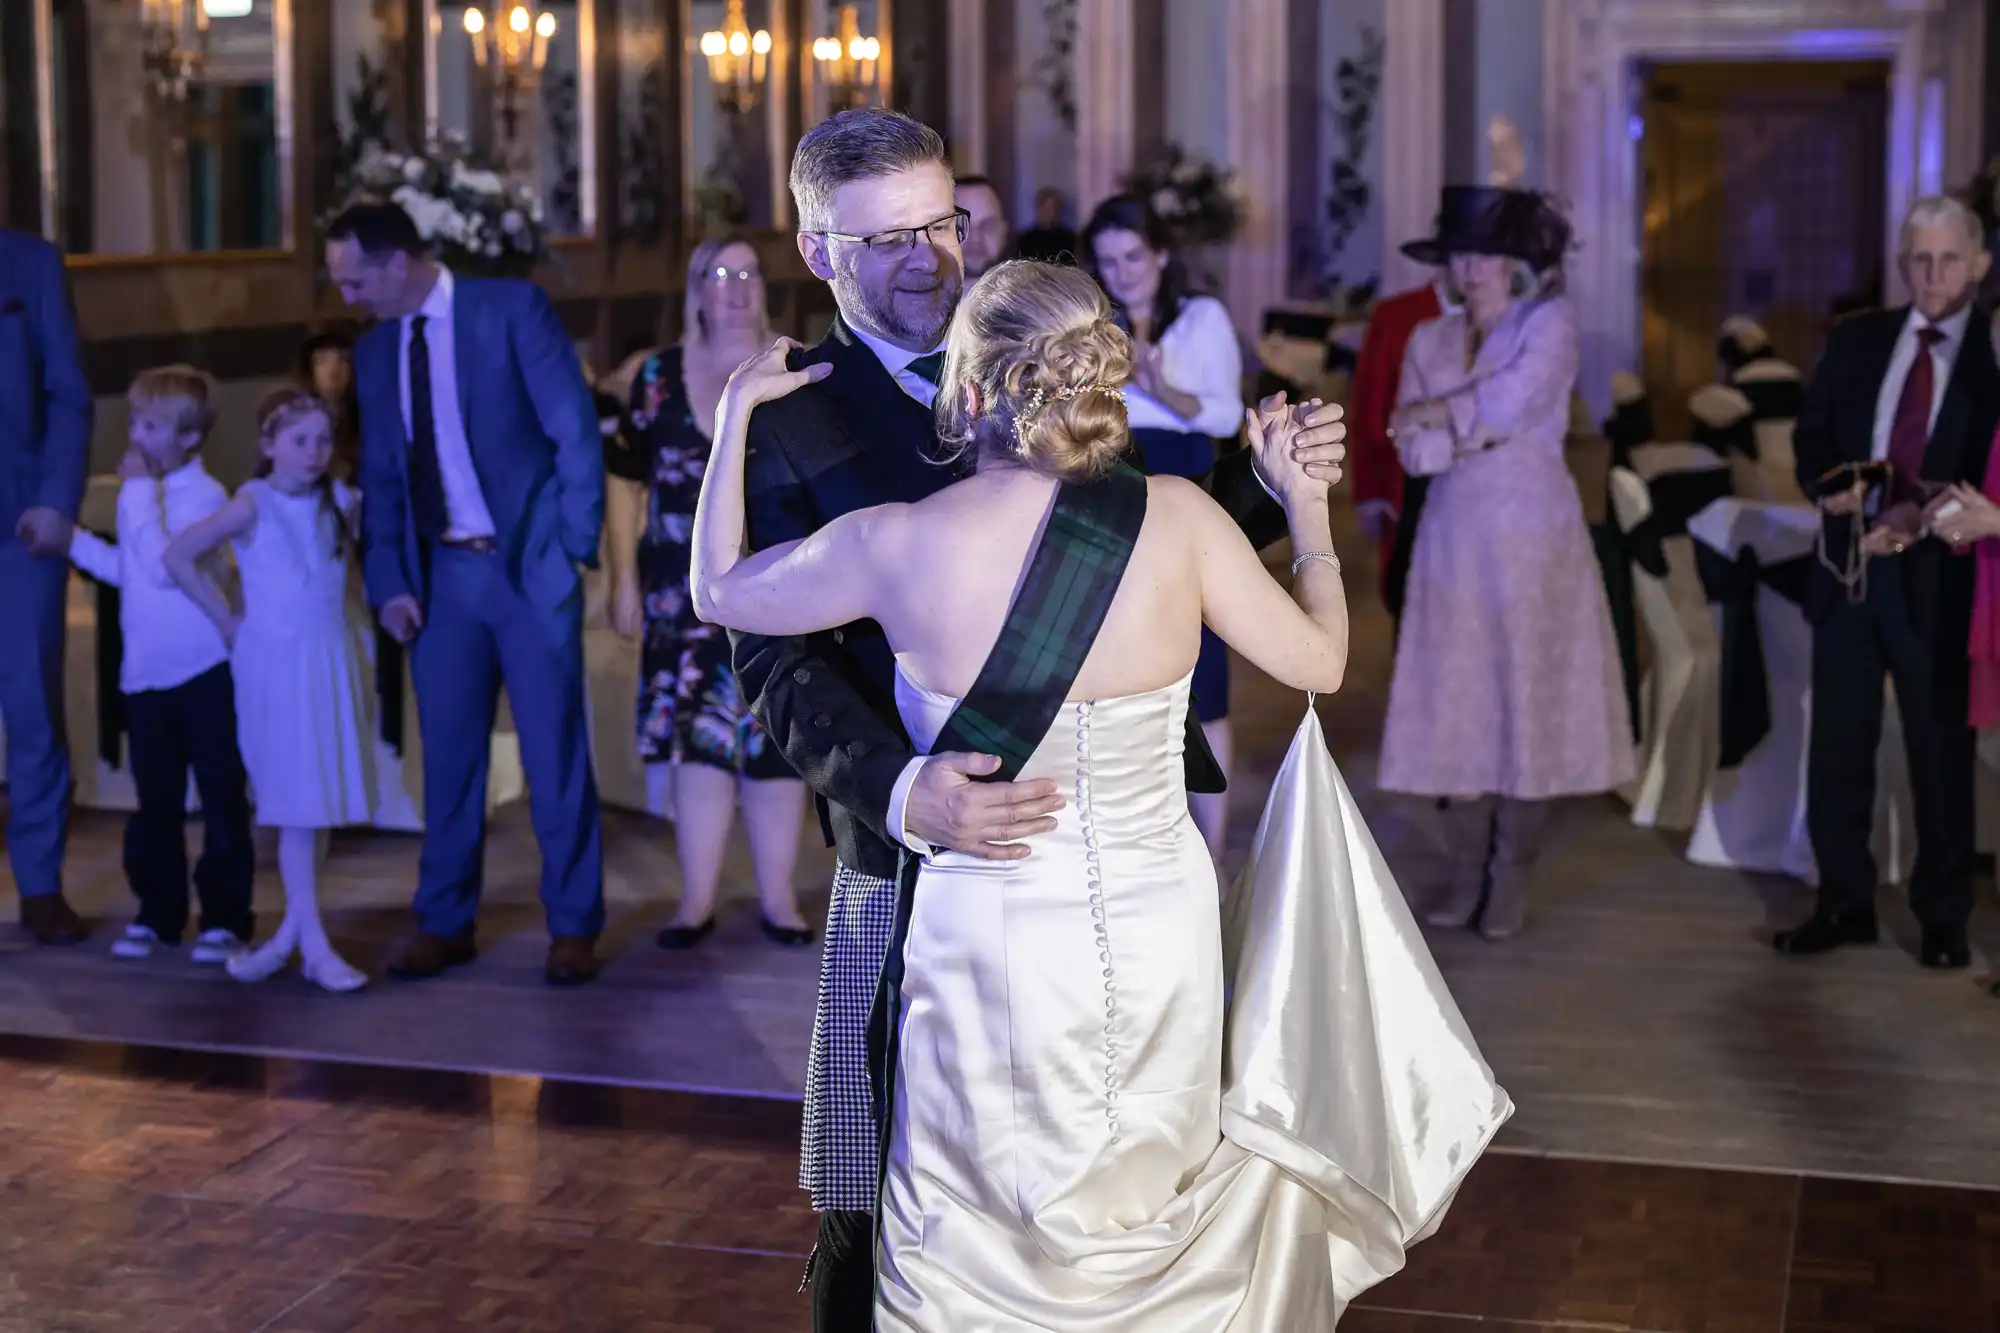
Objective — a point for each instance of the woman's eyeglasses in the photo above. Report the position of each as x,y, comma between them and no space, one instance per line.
722,277
947,230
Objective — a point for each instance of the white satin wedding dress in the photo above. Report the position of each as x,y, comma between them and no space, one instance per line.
1087,1135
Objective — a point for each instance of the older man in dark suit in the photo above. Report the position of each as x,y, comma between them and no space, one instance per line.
877,222
45,419
1910,393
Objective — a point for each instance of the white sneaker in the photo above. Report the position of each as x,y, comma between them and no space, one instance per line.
213,947
137,942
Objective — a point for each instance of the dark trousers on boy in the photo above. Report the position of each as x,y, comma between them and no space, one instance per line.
191,726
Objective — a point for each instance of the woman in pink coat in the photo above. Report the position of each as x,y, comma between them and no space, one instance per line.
1507,694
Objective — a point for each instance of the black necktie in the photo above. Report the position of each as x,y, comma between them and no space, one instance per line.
929,368
427,506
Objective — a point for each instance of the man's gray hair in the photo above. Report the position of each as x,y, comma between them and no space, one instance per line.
1937,210
865,143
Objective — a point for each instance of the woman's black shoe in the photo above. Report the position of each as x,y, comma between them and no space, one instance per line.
685,937
793,936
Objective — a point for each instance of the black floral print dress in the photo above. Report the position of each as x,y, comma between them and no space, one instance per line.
690,706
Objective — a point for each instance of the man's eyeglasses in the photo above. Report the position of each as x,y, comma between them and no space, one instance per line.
947,230
722,277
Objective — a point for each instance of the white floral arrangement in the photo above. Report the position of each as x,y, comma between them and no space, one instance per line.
476,219
1200,203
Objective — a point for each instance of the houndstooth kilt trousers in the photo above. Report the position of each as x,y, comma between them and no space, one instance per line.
839,1144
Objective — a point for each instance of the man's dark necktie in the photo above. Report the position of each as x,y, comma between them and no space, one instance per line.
928,368
427,506
1910,428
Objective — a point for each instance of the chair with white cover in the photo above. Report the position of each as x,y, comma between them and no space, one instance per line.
1753,815
1679,691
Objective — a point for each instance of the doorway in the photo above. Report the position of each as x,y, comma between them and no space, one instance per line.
1761,195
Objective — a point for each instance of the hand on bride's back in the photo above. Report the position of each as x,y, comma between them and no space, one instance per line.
769,375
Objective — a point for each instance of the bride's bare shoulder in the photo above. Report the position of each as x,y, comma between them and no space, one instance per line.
1179,499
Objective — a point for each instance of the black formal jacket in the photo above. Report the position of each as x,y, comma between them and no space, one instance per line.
1837,425
852,441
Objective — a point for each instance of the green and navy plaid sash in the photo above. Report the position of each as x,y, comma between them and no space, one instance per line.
1050,627
1071,579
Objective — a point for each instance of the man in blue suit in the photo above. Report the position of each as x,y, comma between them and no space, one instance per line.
482,484
45,417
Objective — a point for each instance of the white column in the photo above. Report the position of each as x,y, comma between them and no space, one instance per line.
1105,129
1256,115
1412,131
967,20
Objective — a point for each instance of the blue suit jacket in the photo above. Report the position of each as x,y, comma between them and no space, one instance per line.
45,402
532,425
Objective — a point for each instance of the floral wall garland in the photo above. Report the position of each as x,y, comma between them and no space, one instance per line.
475,219
1200,202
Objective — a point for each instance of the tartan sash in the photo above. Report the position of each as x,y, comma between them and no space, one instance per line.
1071,580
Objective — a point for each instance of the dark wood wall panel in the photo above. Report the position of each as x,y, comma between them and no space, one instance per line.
1149,75
1003,89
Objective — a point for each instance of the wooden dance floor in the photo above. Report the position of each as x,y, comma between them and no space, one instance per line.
1709,1139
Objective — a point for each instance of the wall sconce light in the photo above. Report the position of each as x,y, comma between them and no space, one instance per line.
736,60
847,63
517,47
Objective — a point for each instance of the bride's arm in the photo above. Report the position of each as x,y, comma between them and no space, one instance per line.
1298,638
822,582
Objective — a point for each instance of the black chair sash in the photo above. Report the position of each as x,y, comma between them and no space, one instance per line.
1739,436
1616,566
1773,400
1629,426
1676,497
1732,585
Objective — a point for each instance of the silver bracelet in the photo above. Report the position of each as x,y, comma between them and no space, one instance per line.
1304,558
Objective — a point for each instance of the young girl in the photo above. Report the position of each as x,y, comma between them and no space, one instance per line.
300,702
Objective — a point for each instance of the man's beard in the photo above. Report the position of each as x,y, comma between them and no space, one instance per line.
913,319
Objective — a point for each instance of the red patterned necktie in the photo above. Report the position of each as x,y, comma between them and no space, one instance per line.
1910,428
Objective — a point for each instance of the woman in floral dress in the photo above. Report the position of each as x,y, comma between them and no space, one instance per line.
691,713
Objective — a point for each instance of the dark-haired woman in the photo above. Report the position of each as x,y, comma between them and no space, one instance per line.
326,366
1186,392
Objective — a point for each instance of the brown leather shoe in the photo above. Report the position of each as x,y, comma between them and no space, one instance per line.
426,955
572,961
51,920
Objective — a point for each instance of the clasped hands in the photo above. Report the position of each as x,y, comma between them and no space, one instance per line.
1297,450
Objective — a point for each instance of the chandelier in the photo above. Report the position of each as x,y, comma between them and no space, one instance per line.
736,60
847,62
173,41
515,46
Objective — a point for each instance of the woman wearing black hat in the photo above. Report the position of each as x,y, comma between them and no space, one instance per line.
1507,693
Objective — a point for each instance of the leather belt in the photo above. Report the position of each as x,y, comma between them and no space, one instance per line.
476,545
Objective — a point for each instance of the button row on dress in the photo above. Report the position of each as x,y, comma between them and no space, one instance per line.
1095,882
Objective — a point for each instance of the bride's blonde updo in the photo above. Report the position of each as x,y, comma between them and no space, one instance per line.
1037,342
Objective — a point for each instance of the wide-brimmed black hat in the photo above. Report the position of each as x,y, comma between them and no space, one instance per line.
1489,220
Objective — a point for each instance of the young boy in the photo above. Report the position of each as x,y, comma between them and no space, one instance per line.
180,702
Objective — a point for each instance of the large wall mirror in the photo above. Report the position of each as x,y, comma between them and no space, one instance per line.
519,82
648,118
167,124
734,93
847,55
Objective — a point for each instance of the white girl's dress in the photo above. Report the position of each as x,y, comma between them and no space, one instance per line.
302,704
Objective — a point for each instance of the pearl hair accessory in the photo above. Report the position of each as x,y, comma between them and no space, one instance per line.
1041,398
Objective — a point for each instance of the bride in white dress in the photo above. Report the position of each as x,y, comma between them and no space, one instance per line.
1066,1152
